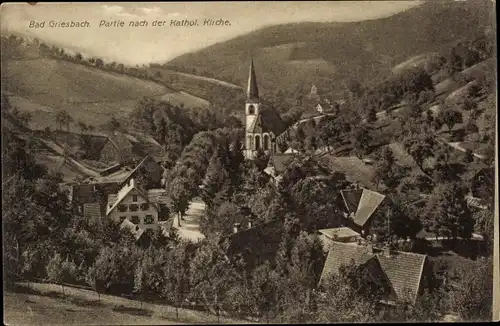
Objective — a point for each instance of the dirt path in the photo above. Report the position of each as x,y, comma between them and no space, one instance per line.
190,226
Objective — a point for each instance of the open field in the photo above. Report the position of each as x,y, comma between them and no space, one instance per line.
44,304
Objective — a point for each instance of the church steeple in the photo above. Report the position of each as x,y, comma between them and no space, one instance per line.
252,89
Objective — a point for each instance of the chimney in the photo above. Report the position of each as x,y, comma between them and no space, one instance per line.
236,226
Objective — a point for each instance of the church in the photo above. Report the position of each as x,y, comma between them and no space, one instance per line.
262,125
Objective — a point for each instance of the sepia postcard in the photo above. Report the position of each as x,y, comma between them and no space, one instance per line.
249,162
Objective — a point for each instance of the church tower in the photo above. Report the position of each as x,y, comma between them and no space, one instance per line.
252,106
252,101
261,126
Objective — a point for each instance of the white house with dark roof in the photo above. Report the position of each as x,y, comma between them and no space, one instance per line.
133,204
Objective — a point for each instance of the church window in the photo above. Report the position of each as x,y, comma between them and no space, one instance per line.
257,142
266,142
251,109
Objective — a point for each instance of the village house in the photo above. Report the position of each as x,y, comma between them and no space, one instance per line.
404,274
133,204
91,198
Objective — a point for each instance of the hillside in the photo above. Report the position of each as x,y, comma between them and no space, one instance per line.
43,86
297,55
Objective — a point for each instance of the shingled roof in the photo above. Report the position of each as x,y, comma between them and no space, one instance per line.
403,269
363,203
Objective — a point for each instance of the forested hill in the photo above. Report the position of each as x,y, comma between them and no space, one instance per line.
294,55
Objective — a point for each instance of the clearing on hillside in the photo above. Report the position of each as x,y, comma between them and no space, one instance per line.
45,86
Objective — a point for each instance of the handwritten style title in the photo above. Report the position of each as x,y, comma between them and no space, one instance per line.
133,23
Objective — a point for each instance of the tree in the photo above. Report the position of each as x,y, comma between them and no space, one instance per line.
420,147
60,271
474,298
447,212
361,140
339,301
96,279
179,193
450,117
99,62
78,56
176,275
212,275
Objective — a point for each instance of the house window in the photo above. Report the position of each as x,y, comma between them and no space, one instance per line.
135,219
133,207
134,198
251,109
149,219
144,207
122,208
257,142
266,142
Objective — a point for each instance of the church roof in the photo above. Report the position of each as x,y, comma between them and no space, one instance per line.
267,120
252,89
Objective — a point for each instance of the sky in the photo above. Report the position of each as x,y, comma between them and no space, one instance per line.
142,45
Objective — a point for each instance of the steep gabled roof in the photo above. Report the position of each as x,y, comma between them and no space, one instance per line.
369,202
343,254
351,199
124,192
252,89
362,202
404,271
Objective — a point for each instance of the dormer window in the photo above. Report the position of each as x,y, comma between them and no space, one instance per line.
251,109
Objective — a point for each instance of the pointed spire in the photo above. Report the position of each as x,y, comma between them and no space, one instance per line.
252,90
